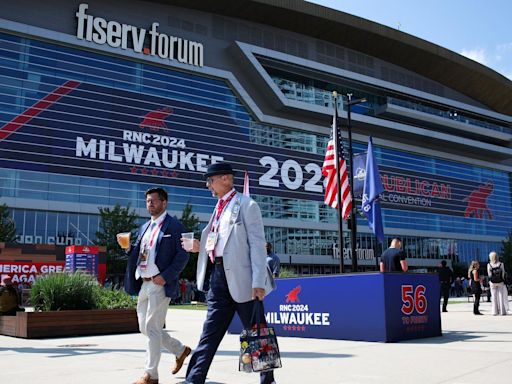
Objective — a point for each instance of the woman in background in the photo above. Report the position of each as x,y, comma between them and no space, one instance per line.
496,273
476,289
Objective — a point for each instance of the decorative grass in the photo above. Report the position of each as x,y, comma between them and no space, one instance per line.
76,291
64,291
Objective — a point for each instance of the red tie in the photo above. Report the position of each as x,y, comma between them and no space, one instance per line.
220,208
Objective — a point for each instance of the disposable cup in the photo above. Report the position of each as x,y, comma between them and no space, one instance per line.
188,240
124,239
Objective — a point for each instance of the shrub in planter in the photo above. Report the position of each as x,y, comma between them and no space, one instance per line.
115,299
65,291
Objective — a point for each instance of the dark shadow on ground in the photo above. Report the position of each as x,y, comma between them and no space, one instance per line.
297,354
454,336
66,352
83,351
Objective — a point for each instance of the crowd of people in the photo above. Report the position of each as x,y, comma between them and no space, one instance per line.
495,285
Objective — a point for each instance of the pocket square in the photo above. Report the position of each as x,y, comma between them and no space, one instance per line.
166,236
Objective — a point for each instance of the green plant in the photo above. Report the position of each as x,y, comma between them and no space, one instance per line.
64,291
286,273
115,299
114,221
506,252
7,226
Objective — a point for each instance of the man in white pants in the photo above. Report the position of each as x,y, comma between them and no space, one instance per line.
155,262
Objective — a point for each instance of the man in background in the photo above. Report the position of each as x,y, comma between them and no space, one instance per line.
393,258
446,279
273,261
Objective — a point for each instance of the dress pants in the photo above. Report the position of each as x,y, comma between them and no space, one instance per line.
445,293
151,311
221,309
498,300
477,303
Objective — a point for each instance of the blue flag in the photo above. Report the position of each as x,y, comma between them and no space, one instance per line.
359,160
371,190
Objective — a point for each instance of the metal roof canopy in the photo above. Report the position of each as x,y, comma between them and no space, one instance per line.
427,59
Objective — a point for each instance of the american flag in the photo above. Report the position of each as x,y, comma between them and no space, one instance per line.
329,171
246,185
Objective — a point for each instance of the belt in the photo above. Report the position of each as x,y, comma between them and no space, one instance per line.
219,260
149,278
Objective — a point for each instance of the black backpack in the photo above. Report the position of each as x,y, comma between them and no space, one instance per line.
496,276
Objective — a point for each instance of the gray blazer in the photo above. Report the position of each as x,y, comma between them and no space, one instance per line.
245,255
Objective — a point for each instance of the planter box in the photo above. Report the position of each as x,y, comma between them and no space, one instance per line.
32,325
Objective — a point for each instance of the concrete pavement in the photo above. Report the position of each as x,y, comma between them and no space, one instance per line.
473,349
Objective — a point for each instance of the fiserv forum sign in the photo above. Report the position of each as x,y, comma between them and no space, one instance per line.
118,35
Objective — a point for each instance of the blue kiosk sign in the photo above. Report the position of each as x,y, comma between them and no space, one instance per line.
385,307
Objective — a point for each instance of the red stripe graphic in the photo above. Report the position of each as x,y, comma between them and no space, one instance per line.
37,108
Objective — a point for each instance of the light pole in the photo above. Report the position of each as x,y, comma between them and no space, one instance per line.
353,221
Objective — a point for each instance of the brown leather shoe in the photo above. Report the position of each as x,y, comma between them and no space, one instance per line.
180,360
146,379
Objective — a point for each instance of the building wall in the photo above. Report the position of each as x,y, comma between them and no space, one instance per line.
86,125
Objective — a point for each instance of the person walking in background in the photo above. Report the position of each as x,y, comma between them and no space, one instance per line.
273,261
476,289
155,262
393,258
496,273
233,247
446,280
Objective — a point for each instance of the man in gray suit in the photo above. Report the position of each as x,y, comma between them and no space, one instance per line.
232,249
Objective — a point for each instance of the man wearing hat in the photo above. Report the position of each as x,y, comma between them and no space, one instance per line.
9,299
232,246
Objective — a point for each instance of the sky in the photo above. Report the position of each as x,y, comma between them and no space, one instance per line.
479,30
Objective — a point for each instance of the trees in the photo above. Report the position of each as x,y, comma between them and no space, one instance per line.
191,223
506,252
112,222
7,226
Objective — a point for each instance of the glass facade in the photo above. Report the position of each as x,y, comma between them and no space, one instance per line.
83,143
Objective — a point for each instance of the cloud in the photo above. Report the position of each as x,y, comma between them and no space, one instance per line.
477,54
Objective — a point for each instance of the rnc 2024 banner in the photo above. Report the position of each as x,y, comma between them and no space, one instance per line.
85,129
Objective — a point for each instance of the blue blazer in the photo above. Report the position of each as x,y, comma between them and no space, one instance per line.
170,259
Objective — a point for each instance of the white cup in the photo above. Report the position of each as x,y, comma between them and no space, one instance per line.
188,240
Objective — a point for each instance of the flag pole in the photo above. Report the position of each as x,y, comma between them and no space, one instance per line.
353,220
336,139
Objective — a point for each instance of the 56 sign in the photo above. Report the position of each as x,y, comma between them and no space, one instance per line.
414,299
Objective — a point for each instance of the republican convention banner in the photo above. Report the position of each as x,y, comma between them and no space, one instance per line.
85,129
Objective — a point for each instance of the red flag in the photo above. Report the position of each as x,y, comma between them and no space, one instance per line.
246,185
329,171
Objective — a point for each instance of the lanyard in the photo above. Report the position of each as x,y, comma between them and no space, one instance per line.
220,210
157,229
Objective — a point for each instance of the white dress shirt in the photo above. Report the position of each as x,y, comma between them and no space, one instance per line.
151,268
223,224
